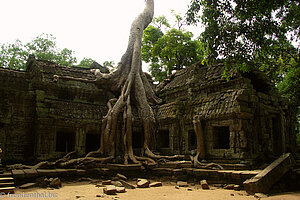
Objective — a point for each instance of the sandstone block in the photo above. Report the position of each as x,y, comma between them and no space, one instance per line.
143,183
110,190
127,185
156,184
204,185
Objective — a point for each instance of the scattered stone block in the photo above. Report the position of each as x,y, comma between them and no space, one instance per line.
107,182
110,190
30,173
43,182
229,187
156,184
117,183
127,185
18,174
182,184
122,177
204,185
262,182
143,183
120,189
27,185
260,195
237,187
55,183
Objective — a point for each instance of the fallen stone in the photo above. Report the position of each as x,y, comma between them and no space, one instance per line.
182,184
260,195
120,189
218,185
229,187
85,179
262,182
156,184
204,185
127,185
122,177
117,183
237,187
42,181
142,183
106,182
18,174
55,183
30,173
27,185
189,189
176,186
110,190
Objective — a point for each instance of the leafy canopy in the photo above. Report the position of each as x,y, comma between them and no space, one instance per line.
167,48
44,47
246,31
247,34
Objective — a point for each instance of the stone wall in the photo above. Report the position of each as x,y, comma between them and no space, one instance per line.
49,110
244,119
16,116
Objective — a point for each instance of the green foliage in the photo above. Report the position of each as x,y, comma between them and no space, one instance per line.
168,51
44,47
161,21
109,64
241,31
13,56
252,34
86,62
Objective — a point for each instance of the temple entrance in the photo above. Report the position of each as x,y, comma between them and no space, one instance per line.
92,142
65,141
221,136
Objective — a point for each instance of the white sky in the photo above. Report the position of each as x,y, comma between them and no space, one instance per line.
96,29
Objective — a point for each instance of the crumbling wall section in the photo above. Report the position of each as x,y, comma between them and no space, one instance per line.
16,115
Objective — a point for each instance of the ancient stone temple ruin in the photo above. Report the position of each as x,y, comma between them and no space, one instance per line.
49,110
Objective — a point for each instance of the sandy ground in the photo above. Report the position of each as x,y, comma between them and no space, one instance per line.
88,191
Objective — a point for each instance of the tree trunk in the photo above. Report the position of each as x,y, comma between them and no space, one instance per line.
200,147
200,139
135,90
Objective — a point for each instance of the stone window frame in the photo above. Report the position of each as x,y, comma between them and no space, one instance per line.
209,143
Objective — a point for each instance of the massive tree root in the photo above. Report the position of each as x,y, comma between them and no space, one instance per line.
200,154
135,91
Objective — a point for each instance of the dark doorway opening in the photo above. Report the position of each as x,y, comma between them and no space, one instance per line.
221,137
65,141
277,136
92,142
192,139
163,139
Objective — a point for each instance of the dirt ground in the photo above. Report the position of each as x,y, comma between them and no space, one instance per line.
88,191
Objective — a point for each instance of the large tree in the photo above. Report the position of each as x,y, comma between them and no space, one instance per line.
133,88
168,49
14,56
249,33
